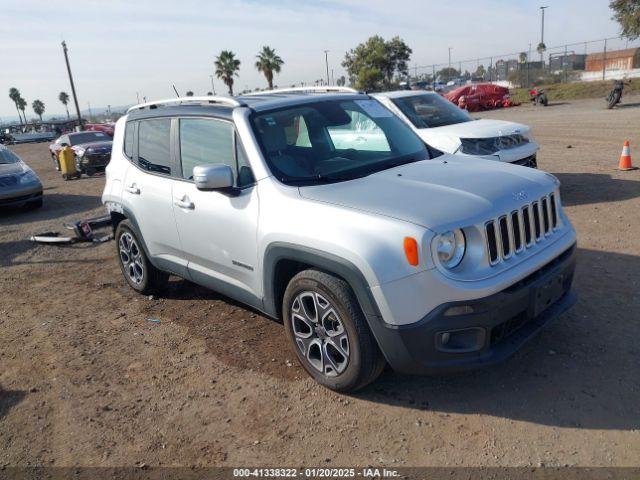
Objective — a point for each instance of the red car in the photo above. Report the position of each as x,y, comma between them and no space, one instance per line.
480,96
100,127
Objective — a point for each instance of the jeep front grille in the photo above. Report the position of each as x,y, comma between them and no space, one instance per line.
513,233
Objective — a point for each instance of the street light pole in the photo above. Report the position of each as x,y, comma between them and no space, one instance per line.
326,61
449,58
73,88
542,9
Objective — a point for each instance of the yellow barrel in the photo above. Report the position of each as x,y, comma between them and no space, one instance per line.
67,163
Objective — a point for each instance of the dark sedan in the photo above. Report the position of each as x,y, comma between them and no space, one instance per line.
92,150
19,185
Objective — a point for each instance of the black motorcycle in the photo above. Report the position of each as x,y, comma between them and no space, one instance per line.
615,95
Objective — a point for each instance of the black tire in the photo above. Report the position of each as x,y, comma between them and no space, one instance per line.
613,100
544,100
364,361
136,268
90,171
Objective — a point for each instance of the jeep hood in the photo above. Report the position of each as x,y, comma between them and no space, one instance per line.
441,193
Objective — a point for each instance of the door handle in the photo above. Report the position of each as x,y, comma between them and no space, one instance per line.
132,189
189,205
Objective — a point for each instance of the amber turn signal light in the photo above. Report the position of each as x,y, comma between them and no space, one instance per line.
411,250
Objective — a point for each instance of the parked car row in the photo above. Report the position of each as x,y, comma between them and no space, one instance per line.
92,150
329,210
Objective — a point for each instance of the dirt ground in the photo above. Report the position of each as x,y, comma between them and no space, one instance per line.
87,379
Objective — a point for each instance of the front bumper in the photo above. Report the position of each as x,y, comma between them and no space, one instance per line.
94,160
21,194
497,327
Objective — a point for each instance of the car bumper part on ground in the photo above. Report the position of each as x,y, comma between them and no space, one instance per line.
477,333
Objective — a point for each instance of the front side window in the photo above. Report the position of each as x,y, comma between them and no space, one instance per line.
154,145
334,140
205,141
7,156
430,111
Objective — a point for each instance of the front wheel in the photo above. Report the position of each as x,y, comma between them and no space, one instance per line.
329,333
138,271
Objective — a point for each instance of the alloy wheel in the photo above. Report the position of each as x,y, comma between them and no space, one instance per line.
319,333
131,258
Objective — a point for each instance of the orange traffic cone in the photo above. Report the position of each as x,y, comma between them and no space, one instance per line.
625,158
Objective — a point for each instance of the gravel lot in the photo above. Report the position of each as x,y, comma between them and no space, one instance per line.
86,379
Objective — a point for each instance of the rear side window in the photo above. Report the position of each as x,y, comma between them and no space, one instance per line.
154,145
128,139
204,141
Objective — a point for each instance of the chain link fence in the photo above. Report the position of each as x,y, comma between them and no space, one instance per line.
601,59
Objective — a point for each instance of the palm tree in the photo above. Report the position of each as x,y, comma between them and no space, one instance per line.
227,66
64,98
268,62
22,105
38,107
14,94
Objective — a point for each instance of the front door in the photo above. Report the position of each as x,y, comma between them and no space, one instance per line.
217,231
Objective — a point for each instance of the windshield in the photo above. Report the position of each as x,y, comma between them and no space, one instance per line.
334,140
430,111
86,137
7,156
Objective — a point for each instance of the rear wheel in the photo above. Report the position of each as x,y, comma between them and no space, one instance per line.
329,333
138,271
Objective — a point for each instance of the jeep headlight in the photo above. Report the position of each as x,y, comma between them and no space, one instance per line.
450,248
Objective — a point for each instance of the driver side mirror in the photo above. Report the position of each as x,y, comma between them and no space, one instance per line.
213,177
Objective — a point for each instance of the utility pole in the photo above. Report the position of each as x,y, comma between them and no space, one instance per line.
326,61
542,9
73,88
213,88
604,61
138,97
449,58
90,114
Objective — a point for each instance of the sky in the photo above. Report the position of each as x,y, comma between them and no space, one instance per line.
122,49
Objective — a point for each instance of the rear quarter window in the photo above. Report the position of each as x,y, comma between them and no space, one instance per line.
154,145
128,139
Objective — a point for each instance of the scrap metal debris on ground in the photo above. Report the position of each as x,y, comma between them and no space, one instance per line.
83,232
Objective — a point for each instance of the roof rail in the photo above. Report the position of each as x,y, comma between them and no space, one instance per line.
231,102
327,89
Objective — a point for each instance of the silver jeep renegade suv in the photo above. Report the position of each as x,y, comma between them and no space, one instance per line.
324,210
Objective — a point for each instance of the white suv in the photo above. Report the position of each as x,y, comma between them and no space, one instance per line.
369,252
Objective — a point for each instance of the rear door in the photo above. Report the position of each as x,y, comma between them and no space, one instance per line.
147,193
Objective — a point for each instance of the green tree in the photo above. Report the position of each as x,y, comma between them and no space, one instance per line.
447,73
14,95
522,58
372,65
22,105
341,81
480,72
64,98
189,93
269,63
38,108
227,66
541,48
627,14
